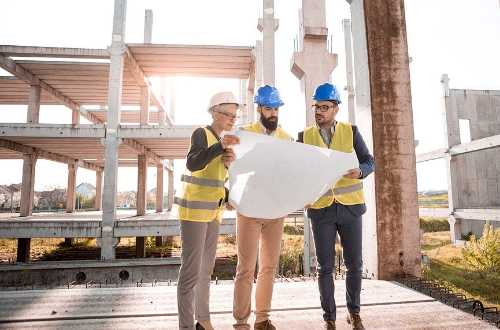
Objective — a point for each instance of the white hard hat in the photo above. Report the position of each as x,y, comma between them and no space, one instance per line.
223,98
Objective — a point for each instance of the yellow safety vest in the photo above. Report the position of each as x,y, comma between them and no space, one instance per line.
203,190
256,128
346,191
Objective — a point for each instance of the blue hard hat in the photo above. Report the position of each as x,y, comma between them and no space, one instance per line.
268,96
327,92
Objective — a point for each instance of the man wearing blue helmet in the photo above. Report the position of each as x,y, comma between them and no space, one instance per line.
255,236
340,209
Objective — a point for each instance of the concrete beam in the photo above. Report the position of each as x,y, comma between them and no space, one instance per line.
143,228
54,229
431,155
478,214
479,144
12,67
133,144
36,51
52,130
137,132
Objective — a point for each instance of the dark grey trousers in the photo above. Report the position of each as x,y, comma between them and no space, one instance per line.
338,218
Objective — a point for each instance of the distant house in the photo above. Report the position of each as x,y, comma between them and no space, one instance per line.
86,189
10,196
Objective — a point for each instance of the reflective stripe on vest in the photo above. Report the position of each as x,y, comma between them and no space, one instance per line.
256,128
346,191
196,204
202,182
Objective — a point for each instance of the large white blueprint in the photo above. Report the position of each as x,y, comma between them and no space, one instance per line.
272,177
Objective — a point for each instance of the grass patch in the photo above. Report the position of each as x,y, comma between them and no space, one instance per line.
430,224
449,268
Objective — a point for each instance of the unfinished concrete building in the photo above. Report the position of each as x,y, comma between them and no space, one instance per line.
473,167
381,64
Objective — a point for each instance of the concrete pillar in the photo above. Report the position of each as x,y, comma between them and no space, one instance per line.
142,170
451,137
140,247
258,64
28,185
71,191
268,25
172,99
159,196
243,100
391,238
34,105
312,65
148,26
112,142
170,197
23,249
349,71
159,188
145,99
98,191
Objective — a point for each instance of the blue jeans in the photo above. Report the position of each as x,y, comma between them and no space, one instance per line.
338,218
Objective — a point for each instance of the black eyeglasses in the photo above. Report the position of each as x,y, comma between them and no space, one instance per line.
323,108
228,115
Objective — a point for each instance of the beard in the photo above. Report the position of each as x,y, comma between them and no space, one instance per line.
270,125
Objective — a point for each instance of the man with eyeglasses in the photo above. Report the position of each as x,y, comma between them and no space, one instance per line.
340,209
252,231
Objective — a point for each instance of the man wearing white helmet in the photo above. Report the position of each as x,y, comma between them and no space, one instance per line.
340,209
200,210
252,231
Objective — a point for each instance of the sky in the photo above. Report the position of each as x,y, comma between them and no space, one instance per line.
460,38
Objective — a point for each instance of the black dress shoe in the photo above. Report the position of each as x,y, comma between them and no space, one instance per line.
199,327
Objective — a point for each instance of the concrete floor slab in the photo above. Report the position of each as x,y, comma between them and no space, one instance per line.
386,305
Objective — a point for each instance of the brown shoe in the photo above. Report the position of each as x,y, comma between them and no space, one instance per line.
264,325
330,325
355,321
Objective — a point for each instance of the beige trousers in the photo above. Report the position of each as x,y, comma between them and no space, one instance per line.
249,233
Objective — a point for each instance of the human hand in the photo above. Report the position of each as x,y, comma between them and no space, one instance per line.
228,156
354,173
229,140
229,207
307,207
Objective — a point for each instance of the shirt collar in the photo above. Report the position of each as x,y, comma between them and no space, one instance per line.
332,129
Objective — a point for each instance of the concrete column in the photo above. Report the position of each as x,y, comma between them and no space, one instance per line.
312,65
148,26
23,249
28,185
142,170
451,137
98,191
145,99
170,197
107,241
258,64
159,196
250,106
391,238
268,25
349,71
34,105
140,247
243,100
71,191
75,117
159,188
